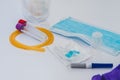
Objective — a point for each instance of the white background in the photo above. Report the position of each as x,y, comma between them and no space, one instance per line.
18,64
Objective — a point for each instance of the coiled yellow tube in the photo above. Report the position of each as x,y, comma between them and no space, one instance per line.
39,47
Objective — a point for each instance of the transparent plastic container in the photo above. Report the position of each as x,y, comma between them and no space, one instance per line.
36,11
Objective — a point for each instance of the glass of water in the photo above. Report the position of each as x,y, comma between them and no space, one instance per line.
36,11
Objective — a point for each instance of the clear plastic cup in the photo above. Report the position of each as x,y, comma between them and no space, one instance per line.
36,11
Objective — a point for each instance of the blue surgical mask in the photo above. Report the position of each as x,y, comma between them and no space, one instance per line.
110,40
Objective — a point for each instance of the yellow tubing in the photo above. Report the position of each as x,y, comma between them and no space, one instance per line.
39,47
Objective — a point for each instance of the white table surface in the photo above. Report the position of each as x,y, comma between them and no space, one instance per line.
18,64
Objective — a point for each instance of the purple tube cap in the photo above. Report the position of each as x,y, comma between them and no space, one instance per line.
20,26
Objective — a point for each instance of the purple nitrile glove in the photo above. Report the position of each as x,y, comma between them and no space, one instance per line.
112,75
97,77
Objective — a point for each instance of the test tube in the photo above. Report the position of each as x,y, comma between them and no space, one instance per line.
29,30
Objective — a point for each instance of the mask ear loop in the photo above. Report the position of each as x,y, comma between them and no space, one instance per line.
39,47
